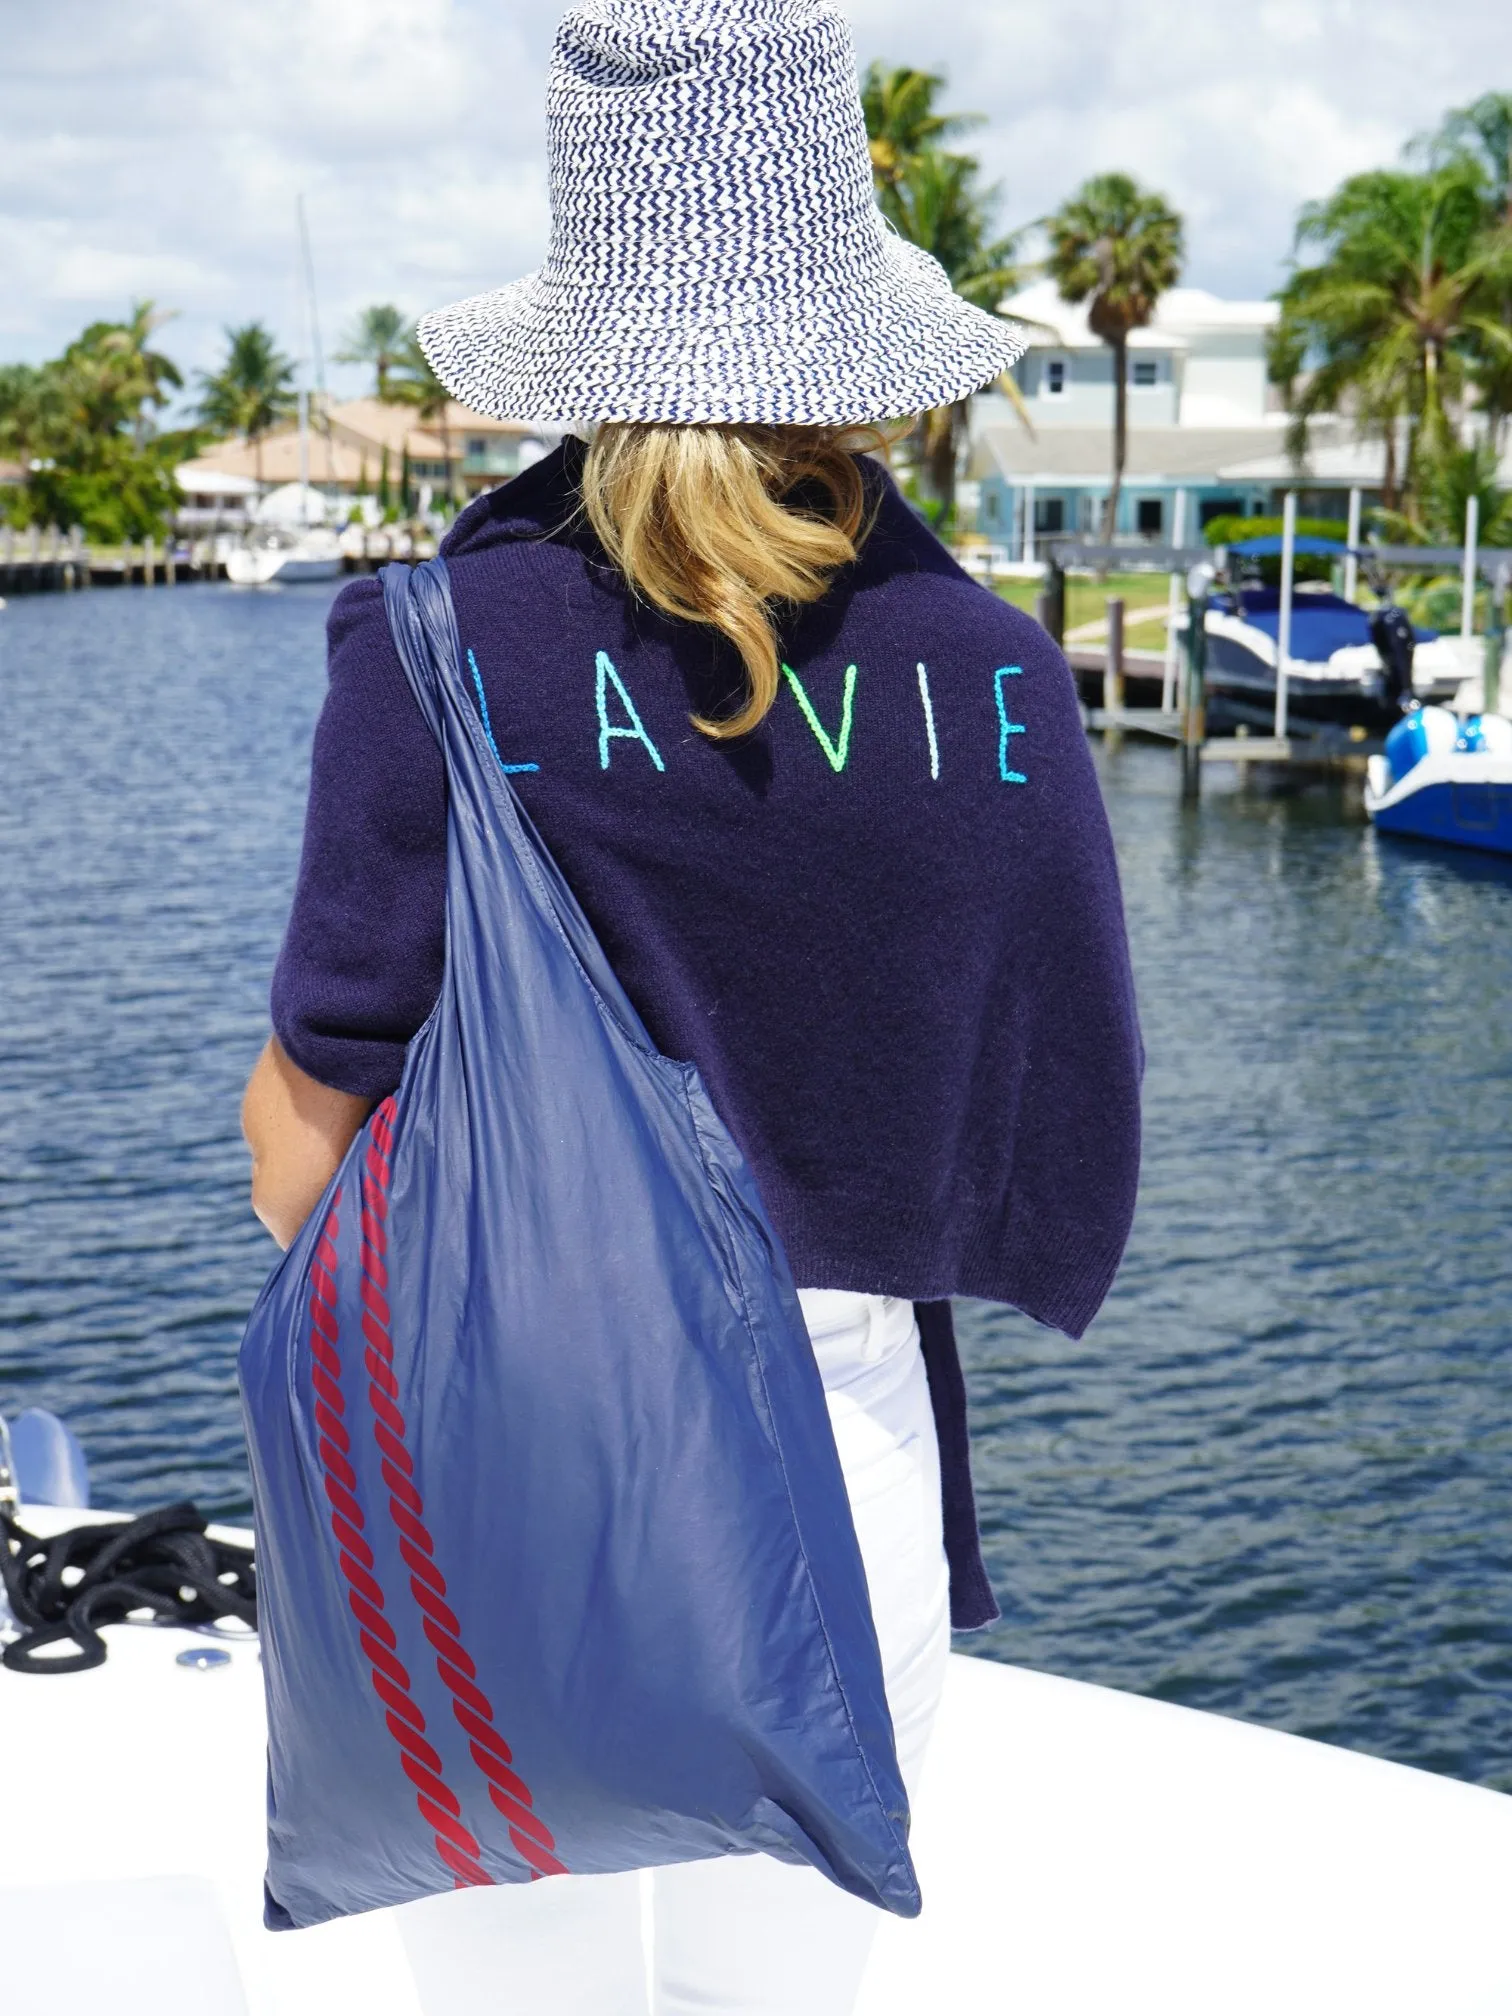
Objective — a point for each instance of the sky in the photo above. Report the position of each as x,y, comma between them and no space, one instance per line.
158,149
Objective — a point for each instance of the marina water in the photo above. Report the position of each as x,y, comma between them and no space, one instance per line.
1274,1479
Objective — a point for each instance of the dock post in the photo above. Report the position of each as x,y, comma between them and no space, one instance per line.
1284,614
1171,670
1496,644
1352,557
1194,709
170,572
1113,663
1051,609
1467,572
148,555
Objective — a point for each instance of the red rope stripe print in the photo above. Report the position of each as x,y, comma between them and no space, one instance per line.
438,1804
470,1705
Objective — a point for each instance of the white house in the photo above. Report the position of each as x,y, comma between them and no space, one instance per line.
1206,427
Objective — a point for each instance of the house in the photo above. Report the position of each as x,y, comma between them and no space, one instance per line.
1206,429
353,445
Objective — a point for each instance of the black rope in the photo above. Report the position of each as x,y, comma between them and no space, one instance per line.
164,1563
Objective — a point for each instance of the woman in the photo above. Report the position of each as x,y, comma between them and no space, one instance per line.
829,808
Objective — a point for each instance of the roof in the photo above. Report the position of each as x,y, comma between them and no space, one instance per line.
278,462
205,477
1181,314
380,423
1082,454
1339,459
359,431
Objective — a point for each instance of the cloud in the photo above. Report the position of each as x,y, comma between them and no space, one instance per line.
159,149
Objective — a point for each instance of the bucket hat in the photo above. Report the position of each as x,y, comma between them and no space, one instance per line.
716,253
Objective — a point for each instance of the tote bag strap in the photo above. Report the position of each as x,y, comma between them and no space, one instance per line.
423,620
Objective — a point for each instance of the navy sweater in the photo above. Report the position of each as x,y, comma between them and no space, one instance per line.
886,926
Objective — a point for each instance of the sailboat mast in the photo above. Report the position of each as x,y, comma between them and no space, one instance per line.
312,321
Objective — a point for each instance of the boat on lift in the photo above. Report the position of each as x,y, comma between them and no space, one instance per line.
1336,673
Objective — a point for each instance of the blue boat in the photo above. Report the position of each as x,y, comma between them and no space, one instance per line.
1445,778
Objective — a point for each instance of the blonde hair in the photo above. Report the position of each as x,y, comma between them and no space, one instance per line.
703,523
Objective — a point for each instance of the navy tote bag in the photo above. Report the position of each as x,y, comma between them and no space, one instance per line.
556,1567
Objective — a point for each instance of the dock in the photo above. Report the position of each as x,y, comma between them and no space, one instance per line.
1161,696
37,563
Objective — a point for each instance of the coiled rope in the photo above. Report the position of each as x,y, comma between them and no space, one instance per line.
63,1589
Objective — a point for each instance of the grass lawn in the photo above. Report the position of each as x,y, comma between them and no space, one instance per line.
1087,597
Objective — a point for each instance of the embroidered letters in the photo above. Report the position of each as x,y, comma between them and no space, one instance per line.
929,727
509,769
836,753
1005,726
636,732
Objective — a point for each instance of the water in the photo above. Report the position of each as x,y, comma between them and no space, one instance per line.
1275,1478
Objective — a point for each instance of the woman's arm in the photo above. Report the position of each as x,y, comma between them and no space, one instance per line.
298,1131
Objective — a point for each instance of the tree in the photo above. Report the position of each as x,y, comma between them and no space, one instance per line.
252,391
418,386
902,123
1118,248
933,198
1447,484
378,337
1481,133
84,425
1401,304
116,378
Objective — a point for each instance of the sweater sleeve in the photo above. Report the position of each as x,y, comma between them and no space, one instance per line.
1077,1120
361,962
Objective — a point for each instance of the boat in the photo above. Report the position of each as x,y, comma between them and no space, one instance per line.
1335,674
289,539
292,535
1445,777
1080,1850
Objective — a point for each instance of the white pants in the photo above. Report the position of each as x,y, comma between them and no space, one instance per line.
742,1935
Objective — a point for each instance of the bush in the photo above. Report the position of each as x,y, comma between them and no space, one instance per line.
128,493
1230,531
1309,566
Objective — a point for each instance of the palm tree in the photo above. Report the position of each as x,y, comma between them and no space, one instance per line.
1481,133
1447,484
931,197
1404,298
118,375
252,391
418,386
1118,248
378,337
936,204
902,123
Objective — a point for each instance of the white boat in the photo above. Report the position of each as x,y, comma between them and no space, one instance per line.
290,539
1081,1852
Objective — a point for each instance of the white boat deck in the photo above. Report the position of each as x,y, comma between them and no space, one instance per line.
1082,1852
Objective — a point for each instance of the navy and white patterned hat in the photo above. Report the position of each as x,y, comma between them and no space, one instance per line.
716,251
